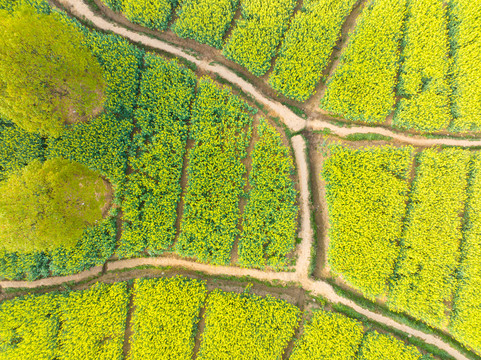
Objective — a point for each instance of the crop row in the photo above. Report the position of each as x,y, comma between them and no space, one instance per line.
424,256
430,247
307,47
362,87
366,193
152,190
87,324
423,84
465,29
91,324
221,129
270,216
205,21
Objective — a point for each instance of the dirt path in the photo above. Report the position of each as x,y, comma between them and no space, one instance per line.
295,123
305,233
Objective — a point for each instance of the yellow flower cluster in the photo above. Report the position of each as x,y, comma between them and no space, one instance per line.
243,326
425,276
466,31
93,323
165,318
29,328
270,216
362,87
256,35
466,321
367,191
307,47
330,336
205,21
154,14
424,86
377,346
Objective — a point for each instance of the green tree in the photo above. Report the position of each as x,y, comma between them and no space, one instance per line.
46,205
48,77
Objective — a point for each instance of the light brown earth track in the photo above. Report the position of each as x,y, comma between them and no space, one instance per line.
295,124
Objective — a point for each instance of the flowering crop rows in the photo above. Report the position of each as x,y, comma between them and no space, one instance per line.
466,38
377,346
221,129
329,335
362,87
165,318
366,193
256,35
425,273
270,216
244,326
307,47
466,319
205,21
152,190
423,85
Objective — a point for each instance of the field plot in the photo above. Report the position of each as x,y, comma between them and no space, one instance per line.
307,47
256,35
270,216
221,129
242,326
154,14
152,190
466,319
93,323
165,317
329,336
425,274
466,38
367,191
423,85
205,21
377,346
362,87
29,328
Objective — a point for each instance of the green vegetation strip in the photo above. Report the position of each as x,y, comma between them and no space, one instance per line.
152,191
270,216
221,129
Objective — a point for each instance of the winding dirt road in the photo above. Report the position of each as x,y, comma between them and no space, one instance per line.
295,123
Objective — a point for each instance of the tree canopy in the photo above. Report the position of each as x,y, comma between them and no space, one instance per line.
46,205
48,77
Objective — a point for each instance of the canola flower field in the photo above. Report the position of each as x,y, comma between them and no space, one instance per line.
139,143
415,60
403,220
165,317
414,241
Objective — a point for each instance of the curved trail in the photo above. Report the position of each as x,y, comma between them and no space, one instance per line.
295,123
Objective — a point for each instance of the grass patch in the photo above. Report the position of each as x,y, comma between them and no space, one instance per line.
297,111
367,137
